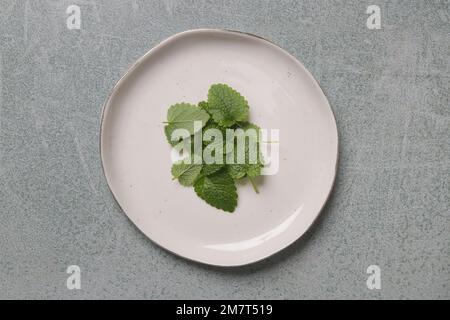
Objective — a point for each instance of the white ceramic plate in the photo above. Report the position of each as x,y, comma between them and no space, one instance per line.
282,95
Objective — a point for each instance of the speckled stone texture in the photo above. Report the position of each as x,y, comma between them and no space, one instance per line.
390,207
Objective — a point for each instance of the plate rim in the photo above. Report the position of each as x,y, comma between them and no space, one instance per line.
134,65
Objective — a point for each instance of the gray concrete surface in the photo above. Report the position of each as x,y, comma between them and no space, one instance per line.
389,89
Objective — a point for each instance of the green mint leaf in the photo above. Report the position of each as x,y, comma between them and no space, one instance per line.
240,170
248,125
237,171
203,105
186,173
209,169
226,105
224,109
183,116
218,190
213,142
254,170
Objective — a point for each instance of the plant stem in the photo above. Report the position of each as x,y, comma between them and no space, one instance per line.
253,184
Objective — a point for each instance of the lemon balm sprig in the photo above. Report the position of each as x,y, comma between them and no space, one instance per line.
215,183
